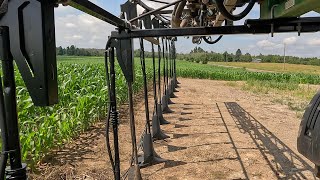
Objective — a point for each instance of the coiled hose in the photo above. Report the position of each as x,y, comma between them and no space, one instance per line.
228,15
212,42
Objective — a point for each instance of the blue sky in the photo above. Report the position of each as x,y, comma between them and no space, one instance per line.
75,27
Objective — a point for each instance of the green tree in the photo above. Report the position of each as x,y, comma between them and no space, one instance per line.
72,50
60,51
225,56
238,55
246,58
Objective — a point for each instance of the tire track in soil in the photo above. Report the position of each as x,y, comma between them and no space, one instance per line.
217,132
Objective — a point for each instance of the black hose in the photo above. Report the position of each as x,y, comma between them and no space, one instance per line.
108,139
228,15
212,42
108,114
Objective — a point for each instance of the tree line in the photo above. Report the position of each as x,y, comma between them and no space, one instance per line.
74,51
200,55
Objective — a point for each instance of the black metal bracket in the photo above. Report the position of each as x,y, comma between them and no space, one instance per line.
32,45
129,10
124,51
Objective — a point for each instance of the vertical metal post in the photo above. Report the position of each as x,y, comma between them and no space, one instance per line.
155,93
114,115
158,134
4,135
166,97
149,155
170,58
145,85
157,118
135,173
164,69
167,66
174,65
284,56
169,72
159,72
17,170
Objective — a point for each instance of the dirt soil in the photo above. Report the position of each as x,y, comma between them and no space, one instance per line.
217,132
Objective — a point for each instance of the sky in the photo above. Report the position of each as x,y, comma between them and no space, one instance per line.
76,28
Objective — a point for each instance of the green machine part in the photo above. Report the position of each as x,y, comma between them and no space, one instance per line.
287,8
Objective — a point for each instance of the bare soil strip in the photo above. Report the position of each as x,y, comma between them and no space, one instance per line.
217,132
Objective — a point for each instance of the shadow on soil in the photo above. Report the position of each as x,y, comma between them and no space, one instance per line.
286,164
78,150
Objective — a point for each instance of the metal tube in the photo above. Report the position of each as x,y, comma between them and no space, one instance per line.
142,4
4,136
170,11
164,69
155,96
162,2
114,115
145,86
3,119
10,104
167,65
154,11
17,170
159,72
170,59
96,11
132,124
174,62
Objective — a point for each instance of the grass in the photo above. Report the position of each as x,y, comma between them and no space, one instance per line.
293,87
276,67
295,96
202,71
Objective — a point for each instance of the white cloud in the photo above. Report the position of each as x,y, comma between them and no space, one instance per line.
314,42
70,25
290,40
265,44
74,37
82,30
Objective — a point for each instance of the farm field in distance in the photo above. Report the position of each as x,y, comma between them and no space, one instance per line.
80,97
276,67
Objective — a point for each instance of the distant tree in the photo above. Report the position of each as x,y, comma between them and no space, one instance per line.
72,50
246,58
197,50
199,55
238,55
60,51
68,51
225,55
